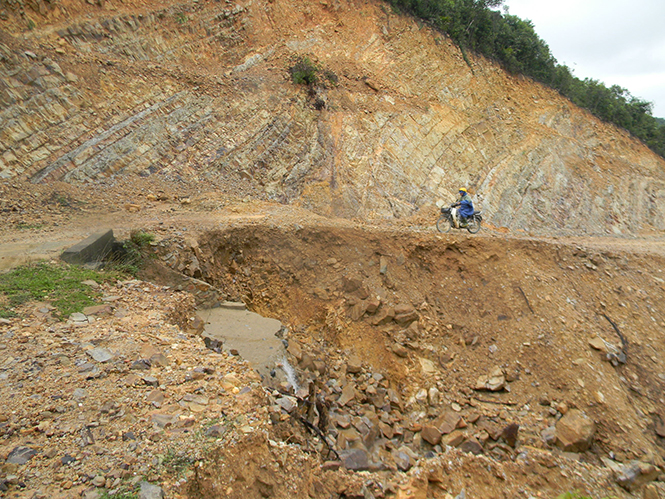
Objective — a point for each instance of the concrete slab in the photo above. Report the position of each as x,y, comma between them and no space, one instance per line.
253,336
92,249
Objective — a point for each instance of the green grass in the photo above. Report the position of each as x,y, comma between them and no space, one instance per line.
135,252
27,226
58,284
125,492
176,462
141,238
304,72
576,495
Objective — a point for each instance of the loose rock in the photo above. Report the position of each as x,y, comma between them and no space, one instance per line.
575,431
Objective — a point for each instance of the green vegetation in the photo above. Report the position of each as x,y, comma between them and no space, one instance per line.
572,495
305,72
61,200
181,18
140,238
513,42
121,494
176,462
59,284
130,260
575,495
27,226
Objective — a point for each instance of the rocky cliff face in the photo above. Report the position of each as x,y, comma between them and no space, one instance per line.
183,89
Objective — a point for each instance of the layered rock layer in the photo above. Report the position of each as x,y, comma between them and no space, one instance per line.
202,88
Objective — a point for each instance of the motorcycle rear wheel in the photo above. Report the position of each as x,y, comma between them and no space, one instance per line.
473,226
443,224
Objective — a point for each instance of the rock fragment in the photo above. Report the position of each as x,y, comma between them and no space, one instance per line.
575,431
355,460
431,434
354,364
100,354
494,382
635,474
21,455
509,434
150,491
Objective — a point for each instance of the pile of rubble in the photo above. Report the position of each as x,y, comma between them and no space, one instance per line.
116,397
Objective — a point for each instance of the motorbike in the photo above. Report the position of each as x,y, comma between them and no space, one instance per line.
449,220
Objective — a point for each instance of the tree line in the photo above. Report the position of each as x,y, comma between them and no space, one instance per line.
513,42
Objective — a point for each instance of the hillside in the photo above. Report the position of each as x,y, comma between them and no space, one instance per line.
202,89
523,361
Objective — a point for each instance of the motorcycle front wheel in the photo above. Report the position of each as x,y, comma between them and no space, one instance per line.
473,226
443,224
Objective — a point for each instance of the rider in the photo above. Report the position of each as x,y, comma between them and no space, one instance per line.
465,205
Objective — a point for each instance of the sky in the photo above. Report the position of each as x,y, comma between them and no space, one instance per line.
616,42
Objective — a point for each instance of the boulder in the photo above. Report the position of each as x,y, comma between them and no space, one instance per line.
427,366
383,265
549,435
351,284
660,426
100,354
651,492
575,431
405,314
453,439
288,403
402,460
400,350
597,343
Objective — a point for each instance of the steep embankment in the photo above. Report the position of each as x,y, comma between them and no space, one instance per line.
200,88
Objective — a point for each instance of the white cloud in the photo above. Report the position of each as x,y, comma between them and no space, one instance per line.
613,41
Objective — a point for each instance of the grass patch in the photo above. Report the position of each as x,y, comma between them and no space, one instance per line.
125,492
27,226
58,199
176,462
576,495
59,284
305,72
130,258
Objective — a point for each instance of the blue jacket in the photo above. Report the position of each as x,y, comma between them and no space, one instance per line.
466,206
